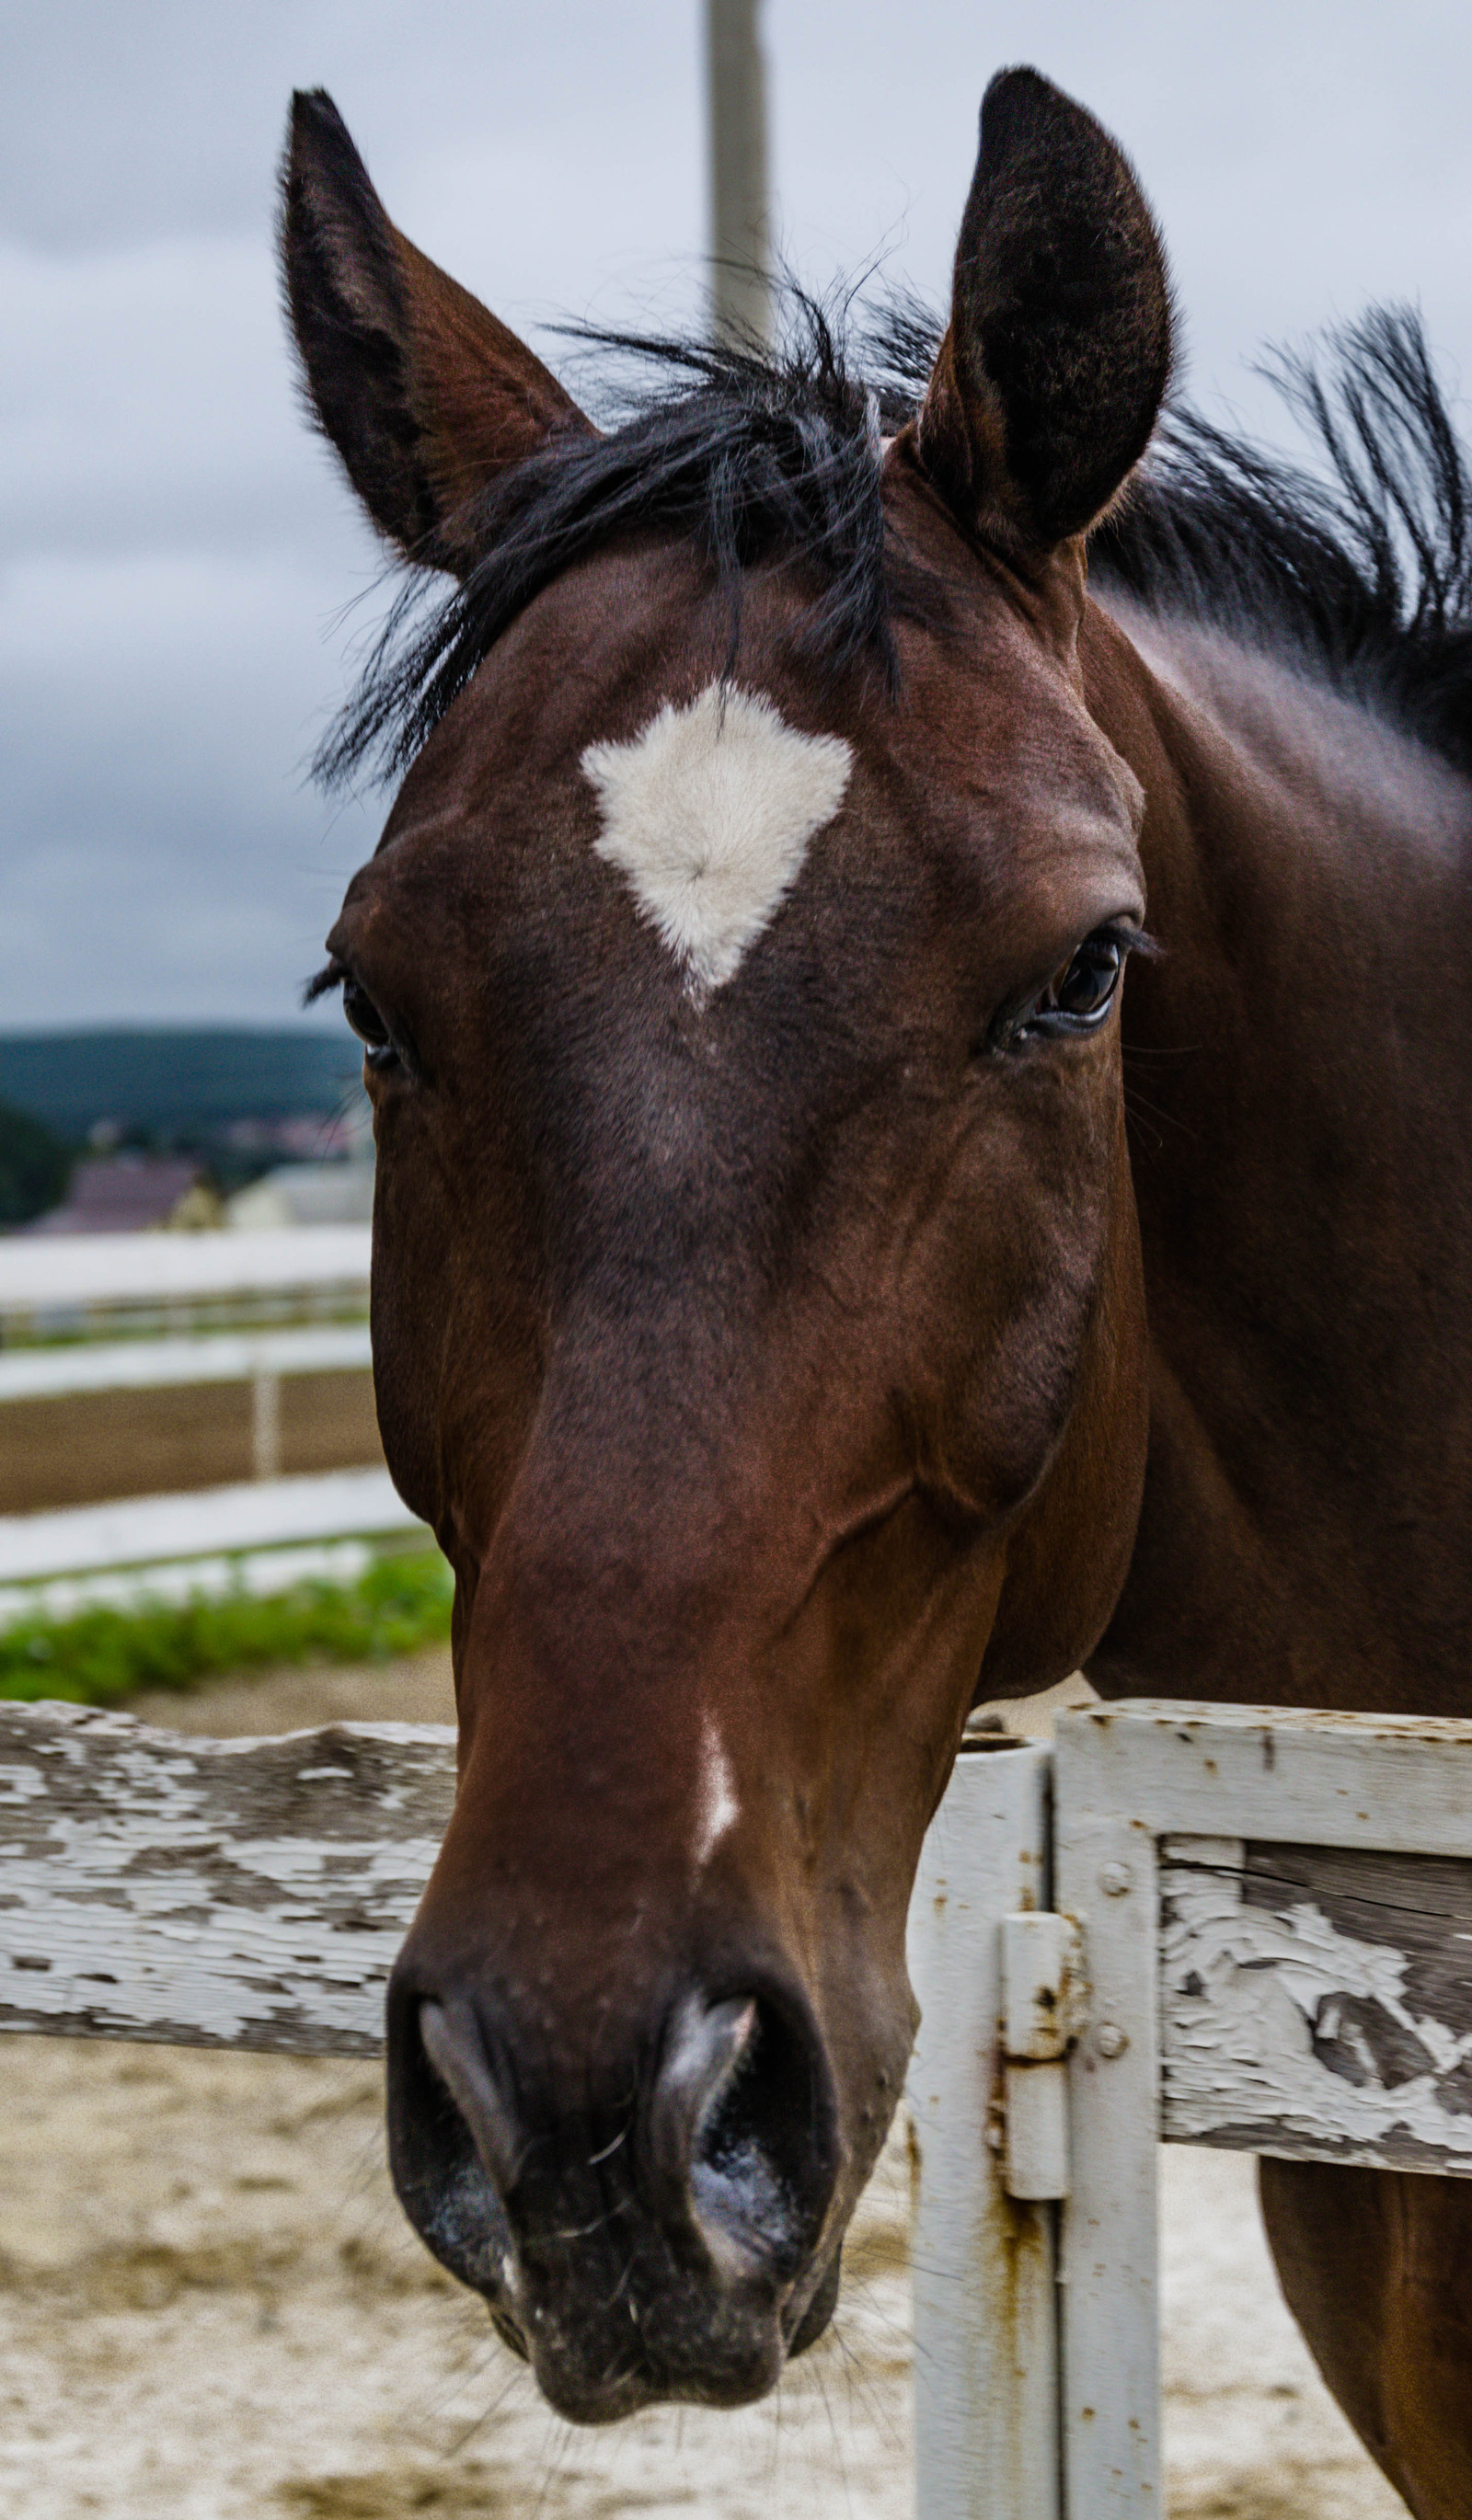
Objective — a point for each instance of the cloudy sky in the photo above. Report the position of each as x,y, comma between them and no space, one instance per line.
183,580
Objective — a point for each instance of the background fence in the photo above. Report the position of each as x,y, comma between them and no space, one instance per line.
126,1357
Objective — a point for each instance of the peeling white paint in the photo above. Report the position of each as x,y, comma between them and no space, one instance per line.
1243,1989
717,1808
709,813
216,1893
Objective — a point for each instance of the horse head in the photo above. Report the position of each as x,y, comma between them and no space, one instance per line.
756,1299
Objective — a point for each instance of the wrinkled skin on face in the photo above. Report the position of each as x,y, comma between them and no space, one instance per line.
761,1353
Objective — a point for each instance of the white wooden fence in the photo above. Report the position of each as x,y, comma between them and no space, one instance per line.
281,1531
46,1275
122,1280
237,1894
262,1537
1232,1927
1226,1925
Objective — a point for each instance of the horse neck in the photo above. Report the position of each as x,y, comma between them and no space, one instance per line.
1298,1066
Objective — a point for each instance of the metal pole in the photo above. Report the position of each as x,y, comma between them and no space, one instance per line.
740,231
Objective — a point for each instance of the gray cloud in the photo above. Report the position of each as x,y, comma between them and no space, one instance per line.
176,551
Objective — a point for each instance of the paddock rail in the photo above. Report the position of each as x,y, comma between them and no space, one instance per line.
210,1894
105,1313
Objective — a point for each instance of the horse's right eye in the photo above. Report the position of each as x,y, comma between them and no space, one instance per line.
369,1025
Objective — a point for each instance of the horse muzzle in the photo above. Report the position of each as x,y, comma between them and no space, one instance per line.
659,2233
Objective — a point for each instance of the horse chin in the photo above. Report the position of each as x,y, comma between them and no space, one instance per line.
592,2379
728,2351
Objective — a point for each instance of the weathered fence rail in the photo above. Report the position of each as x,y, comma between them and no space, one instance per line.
219,1894
1217,1925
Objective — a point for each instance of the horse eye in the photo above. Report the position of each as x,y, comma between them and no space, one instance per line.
1077,999
1085,987
369,1025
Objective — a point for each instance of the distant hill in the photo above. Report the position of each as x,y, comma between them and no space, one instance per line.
33,1168
175,1083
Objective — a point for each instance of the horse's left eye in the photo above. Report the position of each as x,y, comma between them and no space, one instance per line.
1082,992
1079,996
369,1025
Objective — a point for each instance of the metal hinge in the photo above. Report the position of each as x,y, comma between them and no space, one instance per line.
1044,2008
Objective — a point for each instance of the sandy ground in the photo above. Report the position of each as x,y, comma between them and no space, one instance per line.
209,2306
418,1689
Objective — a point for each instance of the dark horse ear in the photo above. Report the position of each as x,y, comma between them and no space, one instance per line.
1057,355
426,397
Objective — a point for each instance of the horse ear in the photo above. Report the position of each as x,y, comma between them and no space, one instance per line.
426,397
1057,355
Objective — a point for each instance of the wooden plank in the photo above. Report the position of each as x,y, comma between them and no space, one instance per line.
1370,1782
1104,1874
230,1894
256,1514
740,218
154,1364
258,1573
984,2285
1316,2002
50,1273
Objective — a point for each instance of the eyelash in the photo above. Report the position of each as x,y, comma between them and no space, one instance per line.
381,1052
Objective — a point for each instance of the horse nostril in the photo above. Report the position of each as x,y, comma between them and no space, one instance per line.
454,2047
440,2161
741,2132
704,2055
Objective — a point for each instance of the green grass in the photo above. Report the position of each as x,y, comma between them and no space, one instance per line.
102,1656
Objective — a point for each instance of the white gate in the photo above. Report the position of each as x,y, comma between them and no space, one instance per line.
1226,1925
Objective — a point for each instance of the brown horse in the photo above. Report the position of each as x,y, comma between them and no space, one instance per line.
790,1321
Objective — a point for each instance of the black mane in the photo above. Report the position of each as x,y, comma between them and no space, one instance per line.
1363,568
750,457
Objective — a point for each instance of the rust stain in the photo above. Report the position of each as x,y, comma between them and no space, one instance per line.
1026,2253
914,2161
1025,2259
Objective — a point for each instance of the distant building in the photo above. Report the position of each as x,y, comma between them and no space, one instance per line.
132,1193
332,1193
314,1137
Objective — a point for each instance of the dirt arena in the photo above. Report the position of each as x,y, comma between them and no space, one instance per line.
211,2307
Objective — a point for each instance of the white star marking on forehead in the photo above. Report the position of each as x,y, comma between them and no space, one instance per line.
709,813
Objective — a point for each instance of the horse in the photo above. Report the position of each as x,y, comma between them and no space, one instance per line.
814,1291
